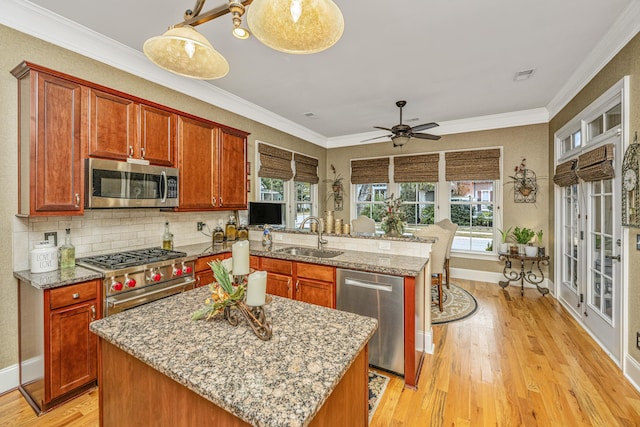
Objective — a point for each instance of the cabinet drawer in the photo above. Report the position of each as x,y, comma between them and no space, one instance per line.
254,262
202,263
277,266
316,272
73,294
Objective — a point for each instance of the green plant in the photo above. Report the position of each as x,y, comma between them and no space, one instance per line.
539,235
522,235
504,234
393,219
489,247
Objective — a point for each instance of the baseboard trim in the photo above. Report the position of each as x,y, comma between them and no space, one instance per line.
9,378
425,341
494,277
632,371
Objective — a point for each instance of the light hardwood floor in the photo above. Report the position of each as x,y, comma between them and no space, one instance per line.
519,361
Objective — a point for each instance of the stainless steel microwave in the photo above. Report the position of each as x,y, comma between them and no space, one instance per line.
114,184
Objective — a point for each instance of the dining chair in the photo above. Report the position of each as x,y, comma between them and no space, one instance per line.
453,228
363,225
437,256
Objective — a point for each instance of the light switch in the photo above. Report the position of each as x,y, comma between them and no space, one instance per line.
638,242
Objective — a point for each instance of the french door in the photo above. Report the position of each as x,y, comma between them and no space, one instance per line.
589,268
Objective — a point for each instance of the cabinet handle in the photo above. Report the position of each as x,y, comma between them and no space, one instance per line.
297,286
214,200
93,312
131,151
143,152
75,296
198,282
289,284
77,196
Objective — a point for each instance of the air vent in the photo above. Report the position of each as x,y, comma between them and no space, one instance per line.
310,115
415,119
524,74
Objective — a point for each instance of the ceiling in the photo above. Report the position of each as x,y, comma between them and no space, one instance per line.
451,60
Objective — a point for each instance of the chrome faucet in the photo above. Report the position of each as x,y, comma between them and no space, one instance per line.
321,241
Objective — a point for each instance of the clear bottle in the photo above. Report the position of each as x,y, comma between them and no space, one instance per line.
231,229
267,241
67,252
218,235
243,232
167,238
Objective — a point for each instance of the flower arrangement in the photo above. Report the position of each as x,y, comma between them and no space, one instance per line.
523,183
223,293
394,217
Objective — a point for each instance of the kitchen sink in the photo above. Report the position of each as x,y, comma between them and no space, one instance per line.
317,253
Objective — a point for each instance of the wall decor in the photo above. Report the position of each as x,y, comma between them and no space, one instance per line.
630,181
525,184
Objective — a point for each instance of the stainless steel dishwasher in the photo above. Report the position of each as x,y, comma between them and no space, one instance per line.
381,297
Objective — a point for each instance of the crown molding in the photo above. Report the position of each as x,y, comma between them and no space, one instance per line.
621,32
472,124
41,23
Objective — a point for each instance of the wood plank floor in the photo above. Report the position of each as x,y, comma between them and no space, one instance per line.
516,362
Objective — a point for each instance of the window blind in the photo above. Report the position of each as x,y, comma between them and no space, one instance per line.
566,174
421,168
306,169
274,162
370,171
596,164
473,165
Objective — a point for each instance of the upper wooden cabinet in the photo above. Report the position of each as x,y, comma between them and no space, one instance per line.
51,138
213,166
120,128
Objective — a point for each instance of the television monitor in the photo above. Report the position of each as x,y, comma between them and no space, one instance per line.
266,213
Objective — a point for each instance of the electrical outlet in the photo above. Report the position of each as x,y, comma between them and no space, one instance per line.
638,340
200,226
53,234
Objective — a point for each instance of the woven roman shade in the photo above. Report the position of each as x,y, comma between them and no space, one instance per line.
370,171
306,169
596,164
473,165
422,168
566,174
274,162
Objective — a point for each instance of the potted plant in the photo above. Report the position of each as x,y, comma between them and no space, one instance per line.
504,235
336,181
522,236
521,183
541,250
393,219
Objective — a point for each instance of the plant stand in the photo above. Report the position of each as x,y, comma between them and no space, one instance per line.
513,274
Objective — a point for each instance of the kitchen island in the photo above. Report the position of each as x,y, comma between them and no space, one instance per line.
160,367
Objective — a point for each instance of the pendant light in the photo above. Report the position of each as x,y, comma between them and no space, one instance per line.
184,51
296,26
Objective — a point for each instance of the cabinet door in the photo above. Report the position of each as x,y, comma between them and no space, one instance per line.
157,136
279,284
56,147
73,348
112,126
233,170
198,163
315,292
204,278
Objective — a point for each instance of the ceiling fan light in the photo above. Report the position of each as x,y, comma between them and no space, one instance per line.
241,33
298,26
400,140
184,51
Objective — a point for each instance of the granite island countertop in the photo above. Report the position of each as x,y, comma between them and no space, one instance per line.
395,265
280,382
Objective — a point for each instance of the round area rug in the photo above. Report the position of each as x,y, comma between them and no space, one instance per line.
457,304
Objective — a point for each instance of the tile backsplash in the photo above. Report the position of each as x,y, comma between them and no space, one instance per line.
111,230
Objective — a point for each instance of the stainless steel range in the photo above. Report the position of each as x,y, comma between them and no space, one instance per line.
137,277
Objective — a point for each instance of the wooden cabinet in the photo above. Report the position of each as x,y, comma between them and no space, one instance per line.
213,166
62,344
120,128
51,138
204,274
279,276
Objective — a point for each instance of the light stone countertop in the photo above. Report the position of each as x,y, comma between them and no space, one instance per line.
60,277
280,382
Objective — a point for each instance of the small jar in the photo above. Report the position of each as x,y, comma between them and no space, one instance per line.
346,228
44,257
218,236
338,225
243,232
231,230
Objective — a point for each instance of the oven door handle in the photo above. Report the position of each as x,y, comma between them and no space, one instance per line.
126,303
165,183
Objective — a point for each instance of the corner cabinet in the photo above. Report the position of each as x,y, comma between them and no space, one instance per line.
51,138
213,166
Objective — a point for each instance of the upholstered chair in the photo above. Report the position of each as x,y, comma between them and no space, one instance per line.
437,256
363,225
453,228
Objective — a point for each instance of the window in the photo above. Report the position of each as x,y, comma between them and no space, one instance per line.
370,200
272,189
418,202
471,206
303,202
571,142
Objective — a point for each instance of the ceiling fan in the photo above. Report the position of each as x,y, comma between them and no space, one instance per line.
401,133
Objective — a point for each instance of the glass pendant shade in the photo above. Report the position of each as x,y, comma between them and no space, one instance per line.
184,51
399,140
296,26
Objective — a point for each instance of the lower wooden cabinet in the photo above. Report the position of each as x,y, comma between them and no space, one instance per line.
58,353
279,284
204,275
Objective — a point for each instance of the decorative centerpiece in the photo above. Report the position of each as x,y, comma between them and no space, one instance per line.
393,219
229,299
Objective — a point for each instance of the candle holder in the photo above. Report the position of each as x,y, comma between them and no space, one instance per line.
254,315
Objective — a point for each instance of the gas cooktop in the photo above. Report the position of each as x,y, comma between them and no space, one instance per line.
120,260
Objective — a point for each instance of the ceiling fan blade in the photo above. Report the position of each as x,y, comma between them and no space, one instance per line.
387,129
383,136
424,126
426,136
